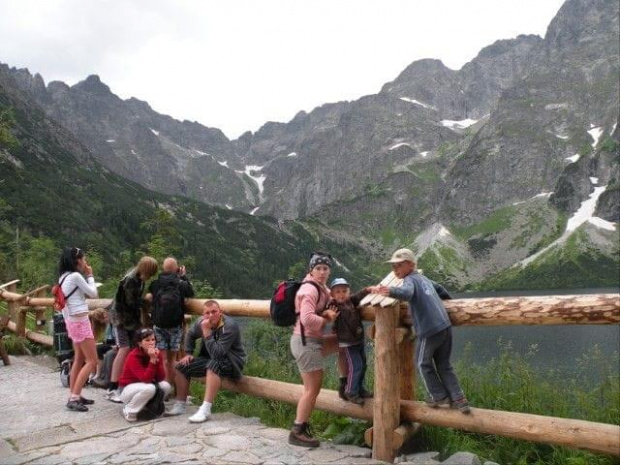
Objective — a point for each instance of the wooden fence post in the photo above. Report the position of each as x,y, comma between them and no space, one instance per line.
40,311
12,306
386,411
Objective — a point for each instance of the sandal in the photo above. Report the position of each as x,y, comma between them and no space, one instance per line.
76,406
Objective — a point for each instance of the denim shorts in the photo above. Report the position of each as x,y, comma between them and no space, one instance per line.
168,338
309,357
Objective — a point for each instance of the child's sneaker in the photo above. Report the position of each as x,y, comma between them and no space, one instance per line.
436,403
356,399
200,416
461,404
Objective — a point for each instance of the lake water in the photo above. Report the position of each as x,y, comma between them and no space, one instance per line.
555,347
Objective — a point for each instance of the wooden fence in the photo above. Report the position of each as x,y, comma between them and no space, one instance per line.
393,411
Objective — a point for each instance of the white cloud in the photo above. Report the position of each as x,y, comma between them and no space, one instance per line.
236,65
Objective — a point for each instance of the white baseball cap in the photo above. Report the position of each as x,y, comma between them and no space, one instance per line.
402,255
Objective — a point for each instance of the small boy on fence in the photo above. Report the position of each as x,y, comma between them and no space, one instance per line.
433,329
350,331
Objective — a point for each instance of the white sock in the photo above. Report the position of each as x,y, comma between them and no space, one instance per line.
206,407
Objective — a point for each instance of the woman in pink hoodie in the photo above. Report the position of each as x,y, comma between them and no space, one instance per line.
308,343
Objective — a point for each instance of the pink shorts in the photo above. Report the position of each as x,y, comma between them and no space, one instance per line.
80,330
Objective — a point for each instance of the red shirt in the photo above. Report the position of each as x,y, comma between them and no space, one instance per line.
138,369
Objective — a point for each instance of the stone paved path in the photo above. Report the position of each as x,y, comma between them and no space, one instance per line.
36,429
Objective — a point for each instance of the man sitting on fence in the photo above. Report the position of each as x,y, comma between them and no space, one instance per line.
221,356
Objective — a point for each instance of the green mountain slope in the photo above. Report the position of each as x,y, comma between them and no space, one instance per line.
53,193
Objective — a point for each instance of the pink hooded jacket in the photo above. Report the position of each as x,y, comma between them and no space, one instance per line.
308,303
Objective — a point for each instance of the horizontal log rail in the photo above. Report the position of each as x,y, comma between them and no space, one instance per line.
587,435
497,311
387,434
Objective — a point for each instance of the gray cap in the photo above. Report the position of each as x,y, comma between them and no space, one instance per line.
339,282
402,255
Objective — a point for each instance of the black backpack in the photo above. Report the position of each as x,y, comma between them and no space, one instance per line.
155,407
282,305
168,304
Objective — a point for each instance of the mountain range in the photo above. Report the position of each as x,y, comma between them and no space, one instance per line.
505,172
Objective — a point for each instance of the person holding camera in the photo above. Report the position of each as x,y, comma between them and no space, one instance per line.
168,293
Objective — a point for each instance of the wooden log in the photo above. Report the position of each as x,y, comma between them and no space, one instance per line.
21,321
580,434
4,355
368,437
327,400
12,306
534,310
404,432
577,434
406,367
33,336
387,386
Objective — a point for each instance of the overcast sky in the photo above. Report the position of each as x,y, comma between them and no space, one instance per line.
236,64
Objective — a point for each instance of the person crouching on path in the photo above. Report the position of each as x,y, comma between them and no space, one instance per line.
221,356
433,330
168,293
72,269
309,345
349,329
144,366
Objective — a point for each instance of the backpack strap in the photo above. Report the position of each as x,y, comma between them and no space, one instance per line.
301,326
60,285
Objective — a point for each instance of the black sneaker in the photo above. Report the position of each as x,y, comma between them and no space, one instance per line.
364,394
85,401
356,399
76,406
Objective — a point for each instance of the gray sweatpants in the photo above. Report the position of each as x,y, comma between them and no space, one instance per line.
433,363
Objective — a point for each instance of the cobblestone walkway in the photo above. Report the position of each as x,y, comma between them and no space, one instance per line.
36,429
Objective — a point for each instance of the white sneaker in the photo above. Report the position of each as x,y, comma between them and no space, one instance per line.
114,396
199,416
178,408
131,417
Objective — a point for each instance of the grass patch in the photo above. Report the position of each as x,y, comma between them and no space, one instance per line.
497,221
508,382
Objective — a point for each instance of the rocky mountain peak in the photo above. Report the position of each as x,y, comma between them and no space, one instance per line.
92,85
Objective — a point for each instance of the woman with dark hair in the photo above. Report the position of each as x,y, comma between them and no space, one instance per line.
72,271
309,345
144,366
125,316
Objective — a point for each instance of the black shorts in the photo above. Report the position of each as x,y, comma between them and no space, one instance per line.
198,367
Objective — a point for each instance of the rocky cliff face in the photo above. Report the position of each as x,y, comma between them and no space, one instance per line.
529,121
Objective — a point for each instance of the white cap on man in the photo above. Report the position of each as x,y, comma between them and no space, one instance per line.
402,255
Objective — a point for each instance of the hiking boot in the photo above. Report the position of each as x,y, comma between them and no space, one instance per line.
85,401
178,408
130,417
462,405
356,399
300,436
341,388
364,394
436,403
76,406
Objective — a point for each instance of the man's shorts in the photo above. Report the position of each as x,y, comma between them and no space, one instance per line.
198,367
168,338
309,357
123,337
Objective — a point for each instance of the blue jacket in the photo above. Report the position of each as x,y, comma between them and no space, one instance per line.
427,311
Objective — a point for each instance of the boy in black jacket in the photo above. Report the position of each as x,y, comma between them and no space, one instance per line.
350,331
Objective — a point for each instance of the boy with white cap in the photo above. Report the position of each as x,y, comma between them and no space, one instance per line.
433,329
